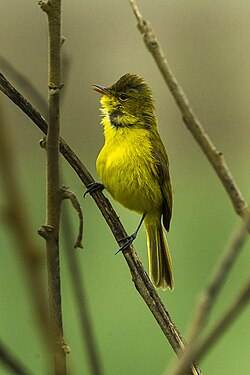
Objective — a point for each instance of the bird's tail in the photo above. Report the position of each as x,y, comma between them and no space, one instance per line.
160,264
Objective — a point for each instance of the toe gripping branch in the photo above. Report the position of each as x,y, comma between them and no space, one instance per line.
94,186
130,239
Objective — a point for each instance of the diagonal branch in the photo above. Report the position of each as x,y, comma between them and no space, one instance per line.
139,276
29,253
223,267
226,320
199,349
219,164
196,347
190,119
10,362
17,218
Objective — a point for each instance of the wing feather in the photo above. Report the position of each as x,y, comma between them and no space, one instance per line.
162,169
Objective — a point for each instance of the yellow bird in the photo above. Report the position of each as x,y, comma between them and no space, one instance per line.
134,169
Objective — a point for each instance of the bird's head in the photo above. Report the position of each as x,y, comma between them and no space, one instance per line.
127,102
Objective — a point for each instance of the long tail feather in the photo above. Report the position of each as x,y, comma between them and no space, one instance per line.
160,264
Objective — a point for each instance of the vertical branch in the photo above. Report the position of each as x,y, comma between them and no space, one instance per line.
85,322
51,230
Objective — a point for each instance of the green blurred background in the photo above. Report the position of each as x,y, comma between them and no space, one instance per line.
207,45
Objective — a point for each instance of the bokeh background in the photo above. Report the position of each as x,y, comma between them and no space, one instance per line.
207,45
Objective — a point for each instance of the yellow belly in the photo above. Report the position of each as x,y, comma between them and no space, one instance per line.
127,170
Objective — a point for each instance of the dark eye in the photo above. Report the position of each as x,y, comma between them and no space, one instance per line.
123,96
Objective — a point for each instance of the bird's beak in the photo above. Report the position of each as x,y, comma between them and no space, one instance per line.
101,89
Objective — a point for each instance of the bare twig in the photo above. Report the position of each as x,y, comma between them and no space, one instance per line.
140,278
198,350
190,119
227,319
67,194
10,362
51,230
87,331
223,268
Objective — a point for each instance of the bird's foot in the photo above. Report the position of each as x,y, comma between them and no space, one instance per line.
94,186
127,241
130,239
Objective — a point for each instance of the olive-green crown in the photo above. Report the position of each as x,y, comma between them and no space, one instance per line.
129,82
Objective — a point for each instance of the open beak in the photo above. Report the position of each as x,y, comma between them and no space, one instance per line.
101,89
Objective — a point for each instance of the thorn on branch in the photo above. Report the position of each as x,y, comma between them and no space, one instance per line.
45,6
66,349
45,231
55,90
43,142
67,194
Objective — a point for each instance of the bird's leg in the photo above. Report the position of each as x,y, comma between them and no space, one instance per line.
128,240
94,186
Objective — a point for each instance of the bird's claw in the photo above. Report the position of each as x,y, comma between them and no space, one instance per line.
94,186
128,241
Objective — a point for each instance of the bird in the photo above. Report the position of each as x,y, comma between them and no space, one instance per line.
134,168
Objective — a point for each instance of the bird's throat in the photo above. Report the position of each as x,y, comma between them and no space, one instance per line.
117,119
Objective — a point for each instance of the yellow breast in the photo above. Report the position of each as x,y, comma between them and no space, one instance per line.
127,168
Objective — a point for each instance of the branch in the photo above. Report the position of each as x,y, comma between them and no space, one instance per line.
224,266
229,316
193,124
86,326
196,348
219,164
18,220
51,229
139,276
11,362
67,194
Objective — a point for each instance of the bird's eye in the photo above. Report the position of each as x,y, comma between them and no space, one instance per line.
123,96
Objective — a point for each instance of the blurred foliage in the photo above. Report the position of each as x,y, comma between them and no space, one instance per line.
207,44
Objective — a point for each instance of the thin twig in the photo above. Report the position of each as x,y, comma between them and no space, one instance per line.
190,119
224,266
227,319
10,362
51,230
199,349
87,331
196,348
139,276
67,194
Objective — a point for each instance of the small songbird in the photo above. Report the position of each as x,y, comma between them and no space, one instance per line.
134,169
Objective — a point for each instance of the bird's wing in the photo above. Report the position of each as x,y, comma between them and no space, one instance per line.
162,169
